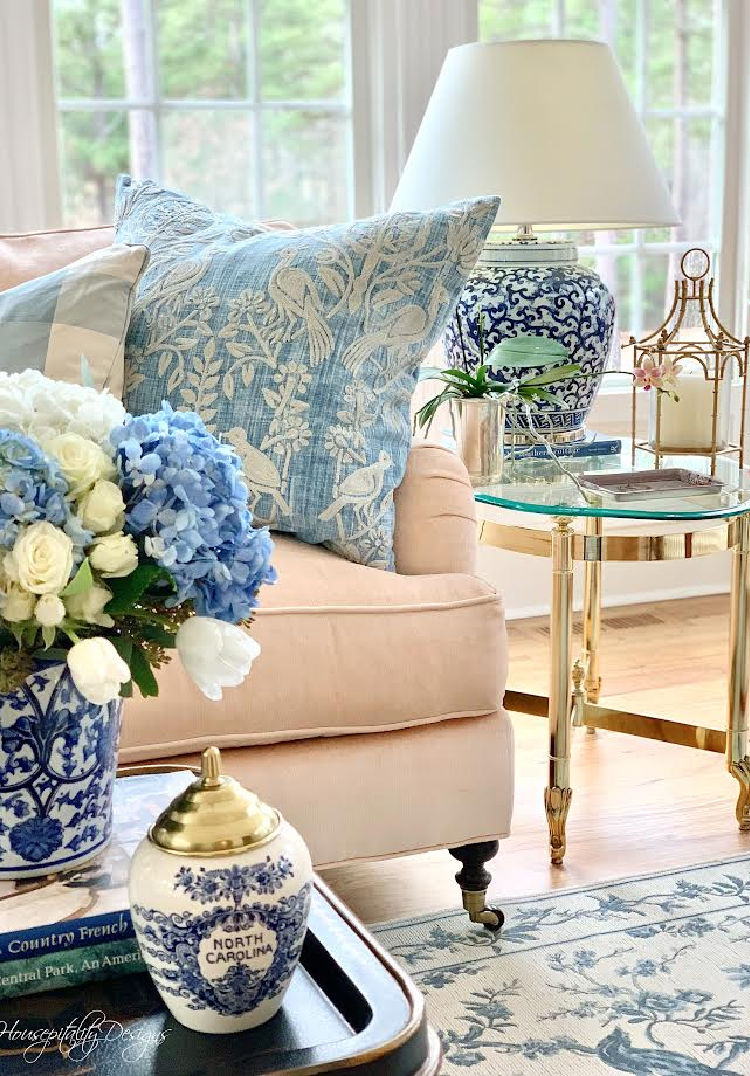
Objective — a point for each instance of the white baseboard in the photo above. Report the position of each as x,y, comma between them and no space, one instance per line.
526,581
525,612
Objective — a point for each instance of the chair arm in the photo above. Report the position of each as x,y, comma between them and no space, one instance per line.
435,528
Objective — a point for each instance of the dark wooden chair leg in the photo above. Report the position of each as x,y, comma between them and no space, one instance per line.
475,880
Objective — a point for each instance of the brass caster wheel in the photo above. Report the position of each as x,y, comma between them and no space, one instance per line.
492,919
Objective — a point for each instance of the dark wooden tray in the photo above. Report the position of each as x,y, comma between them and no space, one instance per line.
349,1009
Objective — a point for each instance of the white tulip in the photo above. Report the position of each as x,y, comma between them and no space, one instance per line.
215,654
17,605
82,461
102,507
89,606
49,611
97,669
41,560
114,556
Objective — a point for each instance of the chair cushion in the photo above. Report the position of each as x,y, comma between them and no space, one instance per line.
345,649
82,309
302,347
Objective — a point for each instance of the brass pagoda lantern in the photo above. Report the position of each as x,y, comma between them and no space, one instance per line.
716,356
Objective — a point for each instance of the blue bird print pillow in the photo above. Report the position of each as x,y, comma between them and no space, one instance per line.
301,347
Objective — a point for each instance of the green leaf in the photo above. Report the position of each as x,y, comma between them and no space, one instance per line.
555,373
48,634
143,674
430,373
127,591
123,644
80,582
56,653
458,375
538,394
155,633
86,379
517,362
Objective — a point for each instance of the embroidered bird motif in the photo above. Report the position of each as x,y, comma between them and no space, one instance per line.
407,327
359,490
616,1050
261,472
295,294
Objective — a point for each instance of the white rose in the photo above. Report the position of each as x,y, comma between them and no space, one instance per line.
115,555
82,461
215,654
102,507
41,560
49,611
89,606
97,669
17,605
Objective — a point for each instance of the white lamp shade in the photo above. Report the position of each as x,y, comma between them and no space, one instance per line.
546,125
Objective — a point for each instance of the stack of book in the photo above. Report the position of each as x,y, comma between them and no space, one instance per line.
73,927
593,444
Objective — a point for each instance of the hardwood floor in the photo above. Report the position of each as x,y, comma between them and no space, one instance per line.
638,805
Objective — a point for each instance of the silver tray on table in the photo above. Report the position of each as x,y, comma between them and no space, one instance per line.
646,485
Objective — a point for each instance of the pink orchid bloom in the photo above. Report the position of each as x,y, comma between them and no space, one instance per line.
662,377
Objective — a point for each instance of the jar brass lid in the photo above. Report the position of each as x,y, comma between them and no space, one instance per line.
214,816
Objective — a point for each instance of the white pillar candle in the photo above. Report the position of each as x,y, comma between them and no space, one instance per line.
686,423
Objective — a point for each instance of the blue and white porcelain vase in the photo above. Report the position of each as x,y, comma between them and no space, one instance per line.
220,897
58,757
538,288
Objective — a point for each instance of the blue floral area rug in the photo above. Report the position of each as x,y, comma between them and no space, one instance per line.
648,975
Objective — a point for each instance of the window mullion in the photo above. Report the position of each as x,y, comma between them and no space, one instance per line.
734,255
254,85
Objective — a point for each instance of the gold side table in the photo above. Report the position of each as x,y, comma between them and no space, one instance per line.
708,525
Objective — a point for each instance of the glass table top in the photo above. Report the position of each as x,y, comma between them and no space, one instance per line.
538,485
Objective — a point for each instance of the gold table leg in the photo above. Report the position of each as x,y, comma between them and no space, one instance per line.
592,615
558,793
738,752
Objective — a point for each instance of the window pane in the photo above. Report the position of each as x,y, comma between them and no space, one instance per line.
305,166
94,148
88,48
302,49
208,154
658,284
683,149
679,54
581,19
203,48
510,19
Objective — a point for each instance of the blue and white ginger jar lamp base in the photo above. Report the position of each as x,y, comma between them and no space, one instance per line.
220,897
538,288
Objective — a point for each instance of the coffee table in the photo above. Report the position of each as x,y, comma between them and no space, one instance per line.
349,1010
578,529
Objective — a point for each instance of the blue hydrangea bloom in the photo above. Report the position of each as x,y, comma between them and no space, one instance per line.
32,489
186,500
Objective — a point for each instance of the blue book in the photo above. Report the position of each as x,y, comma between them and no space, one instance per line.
593,444
76,926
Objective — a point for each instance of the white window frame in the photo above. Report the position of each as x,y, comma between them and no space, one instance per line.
154,106
397,48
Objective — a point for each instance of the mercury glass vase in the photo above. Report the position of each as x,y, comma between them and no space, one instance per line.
58,757
479,430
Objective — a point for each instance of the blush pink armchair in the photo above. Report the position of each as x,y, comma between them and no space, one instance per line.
373,718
